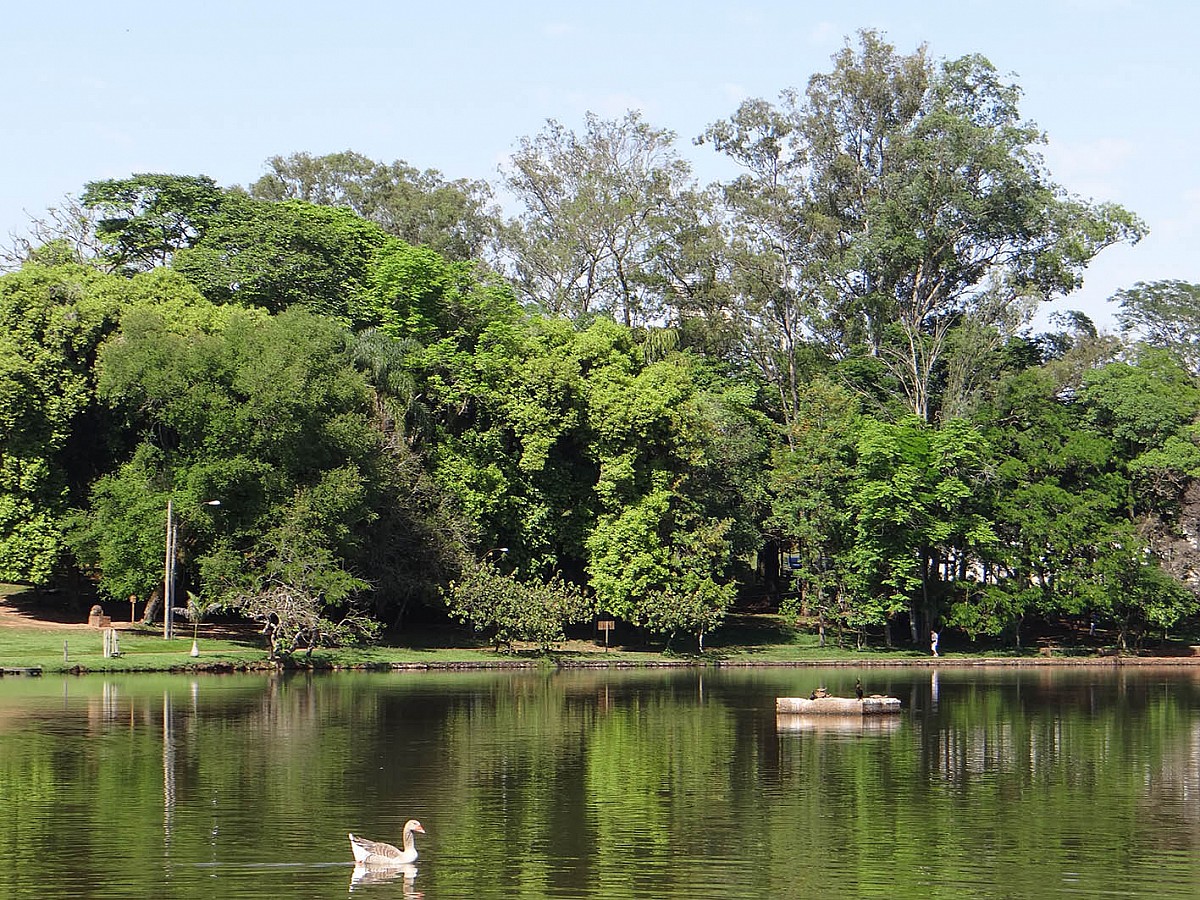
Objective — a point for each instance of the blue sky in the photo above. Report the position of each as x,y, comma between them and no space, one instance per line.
103,90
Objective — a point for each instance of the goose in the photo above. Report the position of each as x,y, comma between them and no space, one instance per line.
377,853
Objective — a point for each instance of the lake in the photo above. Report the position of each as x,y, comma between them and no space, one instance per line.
992,783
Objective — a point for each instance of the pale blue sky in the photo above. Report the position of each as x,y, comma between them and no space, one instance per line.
103,90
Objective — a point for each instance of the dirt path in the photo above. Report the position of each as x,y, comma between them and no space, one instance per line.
14,616
24,610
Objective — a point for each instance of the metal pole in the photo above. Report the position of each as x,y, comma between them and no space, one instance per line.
169,565
168,573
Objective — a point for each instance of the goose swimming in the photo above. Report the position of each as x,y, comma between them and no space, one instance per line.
377,853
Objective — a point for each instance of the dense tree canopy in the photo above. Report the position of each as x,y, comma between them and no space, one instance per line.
885,202
812,387
1164,314
451,217
278,255
600,210
143,220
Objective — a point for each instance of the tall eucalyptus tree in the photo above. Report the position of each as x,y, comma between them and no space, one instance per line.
898,194
602,211
1164,314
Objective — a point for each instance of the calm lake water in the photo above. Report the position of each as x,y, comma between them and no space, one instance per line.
647,784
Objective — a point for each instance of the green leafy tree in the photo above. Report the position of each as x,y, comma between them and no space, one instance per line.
492,400
416,294
461,342
962,199
263,413
293,582
780,295
920,187
696,599
1150,407
52,436
599,212
1058,493
673,511
452,218
1141,404
1133,592
144,220
1163,314
279,255
512,610
921,519
810,478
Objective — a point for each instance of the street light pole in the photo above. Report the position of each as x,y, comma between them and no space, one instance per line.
169,574
169,570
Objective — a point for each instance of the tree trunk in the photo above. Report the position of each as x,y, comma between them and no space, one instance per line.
153,605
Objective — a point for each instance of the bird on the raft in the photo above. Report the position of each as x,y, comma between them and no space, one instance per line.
377,853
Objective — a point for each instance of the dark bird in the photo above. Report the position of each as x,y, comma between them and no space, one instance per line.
858,692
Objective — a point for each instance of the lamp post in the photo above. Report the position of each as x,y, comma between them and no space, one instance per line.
169,570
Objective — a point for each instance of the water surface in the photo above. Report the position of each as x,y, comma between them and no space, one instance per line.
645,784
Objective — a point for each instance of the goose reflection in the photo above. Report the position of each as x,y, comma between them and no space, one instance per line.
364,874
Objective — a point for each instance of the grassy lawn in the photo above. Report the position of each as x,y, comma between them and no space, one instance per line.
55,641
144,649
61,650
757,639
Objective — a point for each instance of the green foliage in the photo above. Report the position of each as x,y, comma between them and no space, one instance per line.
1162,475
278,255
417,294
885,202
1164,314
695,600
604,214
450,217
264,414
1141,405
293,583
628,556
1133,591
679,498
922,520
512,610
810,479
51,322
144,220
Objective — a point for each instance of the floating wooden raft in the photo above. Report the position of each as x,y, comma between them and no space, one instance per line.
838,706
